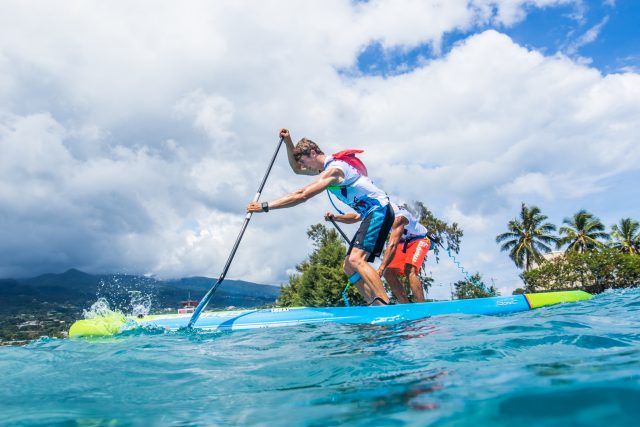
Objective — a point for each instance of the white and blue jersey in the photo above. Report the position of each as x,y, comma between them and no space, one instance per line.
413,230
356,190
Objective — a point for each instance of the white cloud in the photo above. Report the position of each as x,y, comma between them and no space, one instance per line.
211,113
588,37
136,146
470,223
510,12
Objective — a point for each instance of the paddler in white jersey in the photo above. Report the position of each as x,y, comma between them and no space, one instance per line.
351,185
407,247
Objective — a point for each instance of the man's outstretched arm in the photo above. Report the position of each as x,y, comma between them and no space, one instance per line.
327,178
348,218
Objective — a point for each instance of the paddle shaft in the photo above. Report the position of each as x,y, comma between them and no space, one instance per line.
333,221
205,300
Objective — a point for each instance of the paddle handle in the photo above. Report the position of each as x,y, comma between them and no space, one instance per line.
207,297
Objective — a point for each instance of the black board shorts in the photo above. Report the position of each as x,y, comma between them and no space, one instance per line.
373,232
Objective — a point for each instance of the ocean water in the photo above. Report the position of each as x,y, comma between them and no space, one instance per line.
573,364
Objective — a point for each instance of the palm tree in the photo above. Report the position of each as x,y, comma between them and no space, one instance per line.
528,237
582,232
627,236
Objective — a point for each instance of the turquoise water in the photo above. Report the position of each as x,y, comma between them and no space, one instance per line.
569,365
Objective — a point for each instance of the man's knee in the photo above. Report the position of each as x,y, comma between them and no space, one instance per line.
410,270
357,257
390,273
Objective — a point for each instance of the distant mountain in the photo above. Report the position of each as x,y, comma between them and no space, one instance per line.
79,289
232,287
50,303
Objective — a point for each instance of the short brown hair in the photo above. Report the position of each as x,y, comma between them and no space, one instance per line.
304,147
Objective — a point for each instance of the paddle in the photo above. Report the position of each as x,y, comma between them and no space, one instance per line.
333,221
205,300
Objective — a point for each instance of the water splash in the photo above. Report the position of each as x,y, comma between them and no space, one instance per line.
100,308
140,303
131,295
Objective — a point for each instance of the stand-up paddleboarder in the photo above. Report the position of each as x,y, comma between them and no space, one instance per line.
406,250
344,176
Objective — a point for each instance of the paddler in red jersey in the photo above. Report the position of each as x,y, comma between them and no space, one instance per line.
347,180
406,250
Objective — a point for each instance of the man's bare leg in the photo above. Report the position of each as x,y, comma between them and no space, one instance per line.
414,282
396,286
349,271
371,287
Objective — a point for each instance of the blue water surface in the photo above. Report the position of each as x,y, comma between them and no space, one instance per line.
575,364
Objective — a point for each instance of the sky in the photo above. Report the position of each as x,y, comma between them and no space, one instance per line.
133,134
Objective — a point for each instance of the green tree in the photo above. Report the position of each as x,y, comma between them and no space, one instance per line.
450,235
582,233
528,237
465,289
320,279
593,271
626,236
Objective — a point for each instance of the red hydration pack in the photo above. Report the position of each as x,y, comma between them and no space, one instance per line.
349,157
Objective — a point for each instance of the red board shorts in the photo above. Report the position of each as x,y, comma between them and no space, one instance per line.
415,253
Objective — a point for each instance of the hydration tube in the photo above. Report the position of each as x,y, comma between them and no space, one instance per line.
339,211
464,272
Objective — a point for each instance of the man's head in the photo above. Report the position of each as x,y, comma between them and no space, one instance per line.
306,153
